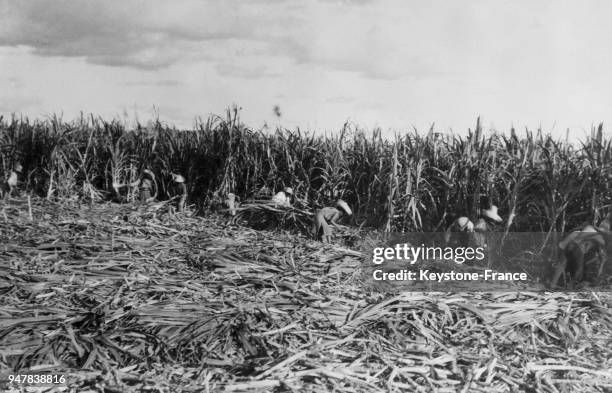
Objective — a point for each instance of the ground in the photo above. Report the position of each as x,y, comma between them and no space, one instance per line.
120,298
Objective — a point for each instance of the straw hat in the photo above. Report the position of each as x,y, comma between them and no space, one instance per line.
465,224
178,178
344,206
492,214
288,190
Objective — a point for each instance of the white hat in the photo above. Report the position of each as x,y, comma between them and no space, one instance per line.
288,190
492,214
18,168
344,206
178,178
465,224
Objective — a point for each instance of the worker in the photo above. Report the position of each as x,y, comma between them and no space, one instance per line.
327,217
14,178
12,181
180,181
583,248
145,184
458,233
232,202
484,225
142,186
465,227
283,198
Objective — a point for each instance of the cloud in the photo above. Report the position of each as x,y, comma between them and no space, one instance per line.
380,40
151,35
138,34
373,40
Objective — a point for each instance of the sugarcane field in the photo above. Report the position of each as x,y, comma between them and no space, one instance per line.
139,288
305,196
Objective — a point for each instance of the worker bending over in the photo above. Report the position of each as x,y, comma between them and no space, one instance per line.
327,217
283,198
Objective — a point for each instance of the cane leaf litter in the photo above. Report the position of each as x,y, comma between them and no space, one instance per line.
124,297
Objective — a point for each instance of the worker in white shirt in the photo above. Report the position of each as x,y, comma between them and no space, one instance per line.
283,198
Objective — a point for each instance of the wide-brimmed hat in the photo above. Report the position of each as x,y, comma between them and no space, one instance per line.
465,224
492,214
288,190
344,206
178,178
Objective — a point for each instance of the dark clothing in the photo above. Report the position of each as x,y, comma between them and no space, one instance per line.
145,189
583,256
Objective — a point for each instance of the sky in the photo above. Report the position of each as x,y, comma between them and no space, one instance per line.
393,64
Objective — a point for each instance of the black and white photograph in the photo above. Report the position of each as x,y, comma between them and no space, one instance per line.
305,196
